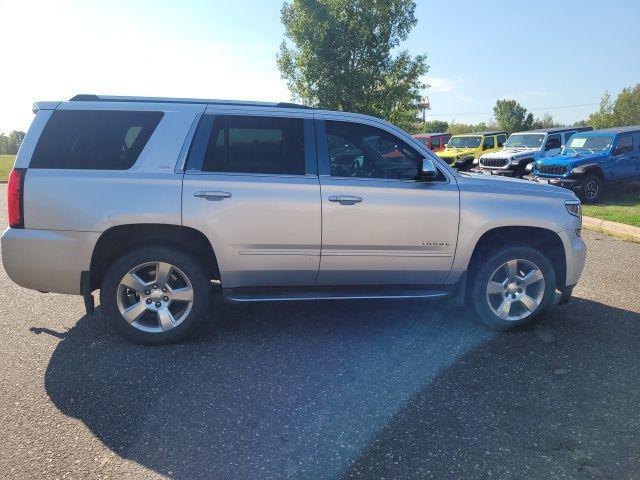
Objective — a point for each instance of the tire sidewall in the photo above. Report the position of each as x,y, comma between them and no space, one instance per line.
487,269
588,179
189,266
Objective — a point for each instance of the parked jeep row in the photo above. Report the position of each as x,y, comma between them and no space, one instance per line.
578,158
590,160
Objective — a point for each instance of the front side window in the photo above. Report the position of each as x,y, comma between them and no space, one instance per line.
501,140
436,142
465,142
525,140
488,143
243,144
553,142
363,151
94,139
624,144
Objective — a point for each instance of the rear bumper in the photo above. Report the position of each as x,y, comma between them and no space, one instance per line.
46,260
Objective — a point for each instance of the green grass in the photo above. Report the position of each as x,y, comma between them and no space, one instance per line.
6,162
619,203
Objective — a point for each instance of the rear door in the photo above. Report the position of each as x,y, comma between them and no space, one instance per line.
251,186
379,225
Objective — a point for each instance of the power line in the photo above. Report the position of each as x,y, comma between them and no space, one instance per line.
557,107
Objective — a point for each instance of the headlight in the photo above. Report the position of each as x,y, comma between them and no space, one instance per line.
574,208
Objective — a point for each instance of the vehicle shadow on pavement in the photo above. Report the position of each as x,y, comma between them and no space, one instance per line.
373,389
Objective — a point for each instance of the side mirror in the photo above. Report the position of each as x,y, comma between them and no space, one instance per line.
428,170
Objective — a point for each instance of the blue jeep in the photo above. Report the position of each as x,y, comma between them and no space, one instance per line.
591,159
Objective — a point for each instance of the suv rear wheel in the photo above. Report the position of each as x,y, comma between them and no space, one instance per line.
155,295
513,287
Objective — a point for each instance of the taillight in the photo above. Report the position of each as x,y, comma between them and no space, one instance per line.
15,201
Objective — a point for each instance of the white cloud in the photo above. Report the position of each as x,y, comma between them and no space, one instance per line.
441,84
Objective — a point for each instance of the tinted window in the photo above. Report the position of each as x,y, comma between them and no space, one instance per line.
553,142
624,144
436,142
255,145
501,140
94,139
357,150
488,142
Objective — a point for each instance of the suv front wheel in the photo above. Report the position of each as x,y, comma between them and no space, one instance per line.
155,295
513,287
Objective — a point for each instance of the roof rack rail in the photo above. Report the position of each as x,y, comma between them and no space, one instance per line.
85,97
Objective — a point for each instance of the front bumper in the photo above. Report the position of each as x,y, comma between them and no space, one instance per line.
569,183
575,252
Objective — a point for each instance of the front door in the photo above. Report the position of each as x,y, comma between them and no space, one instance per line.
251,186
380,225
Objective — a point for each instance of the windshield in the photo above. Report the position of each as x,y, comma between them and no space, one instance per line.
593,144
525,140
464,142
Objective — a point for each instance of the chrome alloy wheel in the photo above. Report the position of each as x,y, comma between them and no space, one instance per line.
591,190
155,297
515,289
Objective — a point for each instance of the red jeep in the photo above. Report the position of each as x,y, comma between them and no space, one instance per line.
434,141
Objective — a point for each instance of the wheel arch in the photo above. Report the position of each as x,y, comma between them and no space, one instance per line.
117,240
546,241
590,169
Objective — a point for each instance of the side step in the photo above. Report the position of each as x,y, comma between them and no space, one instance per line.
289,294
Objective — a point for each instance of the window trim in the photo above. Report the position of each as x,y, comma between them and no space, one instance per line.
324,162
193,165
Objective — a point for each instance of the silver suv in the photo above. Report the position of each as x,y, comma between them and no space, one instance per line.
159,202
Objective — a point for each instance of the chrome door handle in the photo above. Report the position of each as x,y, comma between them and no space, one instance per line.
345,199
212,195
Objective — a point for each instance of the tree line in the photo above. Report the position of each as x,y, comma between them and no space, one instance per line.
9,144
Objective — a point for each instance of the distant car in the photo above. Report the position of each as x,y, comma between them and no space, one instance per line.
524,148
592,159
433,141
462,150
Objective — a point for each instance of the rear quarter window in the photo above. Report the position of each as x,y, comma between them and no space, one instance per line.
94,139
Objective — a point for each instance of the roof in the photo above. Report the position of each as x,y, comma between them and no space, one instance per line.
487,132
203,101
616,130
430,134
558,130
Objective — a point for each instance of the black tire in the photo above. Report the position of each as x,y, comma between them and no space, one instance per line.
193,270
591,190
485,273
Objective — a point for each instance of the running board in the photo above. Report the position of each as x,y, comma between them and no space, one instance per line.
287,294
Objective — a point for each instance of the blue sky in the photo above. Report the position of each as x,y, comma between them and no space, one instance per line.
546,54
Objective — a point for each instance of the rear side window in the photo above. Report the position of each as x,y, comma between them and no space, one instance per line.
255,145
94,139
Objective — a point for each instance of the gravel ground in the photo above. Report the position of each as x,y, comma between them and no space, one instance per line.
378,389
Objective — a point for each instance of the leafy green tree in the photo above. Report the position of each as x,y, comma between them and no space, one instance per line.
342,55
14,140
4,144
604,117
511,116
626,110
546,121
434,126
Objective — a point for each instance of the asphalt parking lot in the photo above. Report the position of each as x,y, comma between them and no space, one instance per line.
371,390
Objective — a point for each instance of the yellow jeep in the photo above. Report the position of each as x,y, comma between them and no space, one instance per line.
461,150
